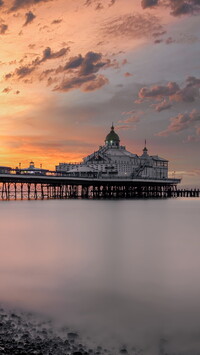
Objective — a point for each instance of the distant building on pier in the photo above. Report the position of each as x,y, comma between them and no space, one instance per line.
32,170
5,169
113,159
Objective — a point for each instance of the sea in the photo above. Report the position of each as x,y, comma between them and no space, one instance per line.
122,273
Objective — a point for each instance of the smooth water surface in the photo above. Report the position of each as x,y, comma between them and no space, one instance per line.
124,272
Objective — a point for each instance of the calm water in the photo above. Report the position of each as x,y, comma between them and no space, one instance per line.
125,272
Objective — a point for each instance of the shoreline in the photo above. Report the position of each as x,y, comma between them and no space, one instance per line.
23,333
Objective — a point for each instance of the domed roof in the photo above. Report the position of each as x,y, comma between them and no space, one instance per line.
112,136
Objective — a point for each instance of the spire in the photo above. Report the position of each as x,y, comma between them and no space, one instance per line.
112,127
145,150
145,146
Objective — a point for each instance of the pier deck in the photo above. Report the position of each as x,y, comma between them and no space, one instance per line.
28,186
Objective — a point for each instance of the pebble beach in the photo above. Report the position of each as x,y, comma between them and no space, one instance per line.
24,333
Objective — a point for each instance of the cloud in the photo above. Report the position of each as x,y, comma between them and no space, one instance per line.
124,61
191,81
132,26
177,7
91,63
112,2
172,91
158,91
74,62
181,7
125,126
198,131
3,29
48,54
182,122
148,3
8,76
73,83
85,83
99,5
51,80
88,2
164,105
128,112
56,22
193,138
127,74
19,4
169,40
23,71
187,94
31,46
95,84
83,71
158,34
131,119
29,18
45,73
28,69
6,90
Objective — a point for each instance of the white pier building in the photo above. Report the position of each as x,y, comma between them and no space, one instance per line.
112,159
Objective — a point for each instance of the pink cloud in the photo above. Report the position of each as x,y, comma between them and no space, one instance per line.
172,92
182,122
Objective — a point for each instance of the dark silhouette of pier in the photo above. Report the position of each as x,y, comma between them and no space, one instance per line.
22,186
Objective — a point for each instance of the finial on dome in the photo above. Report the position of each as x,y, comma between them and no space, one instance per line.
145,145
112,127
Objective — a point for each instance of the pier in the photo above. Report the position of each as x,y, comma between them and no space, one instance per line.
111,172
33,187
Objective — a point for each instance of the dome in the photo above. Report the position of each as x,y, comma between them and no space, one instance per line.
112,138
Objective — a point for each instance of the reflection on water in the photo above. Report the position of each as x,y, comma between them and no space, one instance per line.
125,272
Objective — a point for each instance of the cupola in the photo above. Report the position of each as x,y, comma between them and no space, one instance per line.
112,139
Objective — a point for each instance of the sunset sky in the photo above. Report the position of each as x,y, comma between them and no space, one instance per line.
69,68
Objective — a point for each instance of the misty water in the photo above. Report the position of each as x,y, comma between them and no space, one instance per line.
120,272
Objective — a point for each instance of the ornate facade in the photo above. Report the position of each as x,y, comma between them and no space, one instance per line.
113,159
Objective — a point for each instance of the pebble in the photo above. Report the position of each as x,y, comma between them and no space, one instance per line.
23,334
